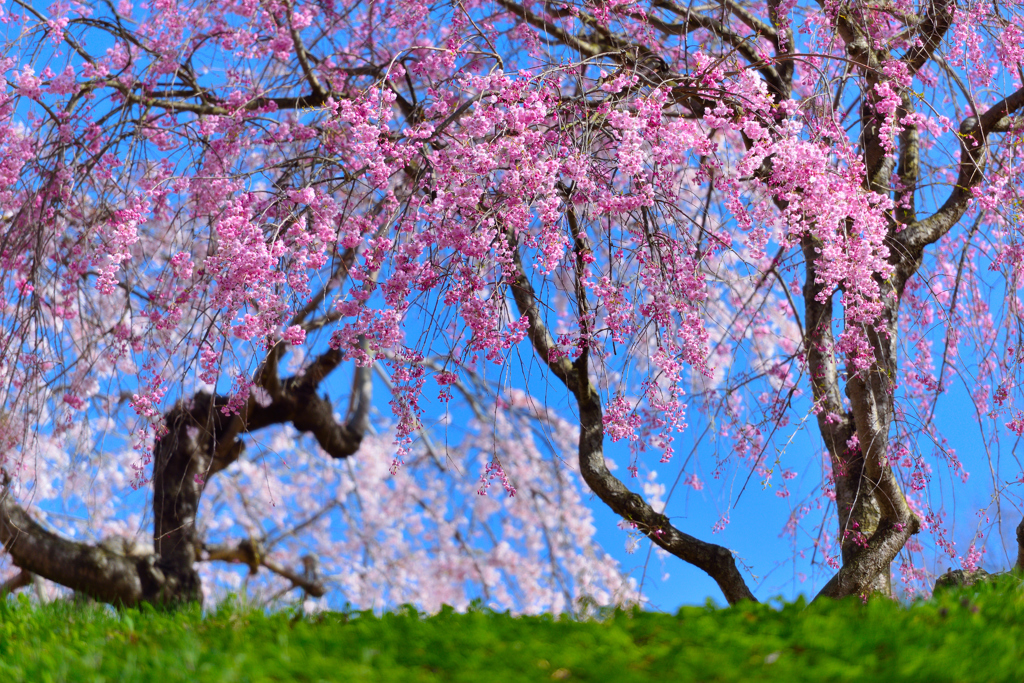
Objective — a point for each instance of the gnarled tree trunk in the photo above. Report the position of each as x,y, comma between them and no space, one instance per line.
200,440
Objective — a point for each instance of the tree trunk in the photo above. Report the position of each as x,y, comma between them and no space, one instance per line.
859,515
199,441
182,462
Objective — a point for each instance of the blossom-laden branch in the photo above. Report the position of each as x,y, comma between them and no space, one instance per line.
406,167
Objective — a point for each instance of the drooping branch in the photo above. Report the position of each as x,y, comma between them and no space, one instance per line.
540,338
339,273
718,562
602,42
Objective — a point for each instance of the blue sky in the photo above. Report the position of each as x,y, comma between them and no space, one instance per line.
758,518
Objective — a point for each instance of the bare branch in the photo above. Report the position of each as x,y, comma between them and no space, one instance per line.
716,561
311,101
252,553
937,20
79,566
19,580
974,132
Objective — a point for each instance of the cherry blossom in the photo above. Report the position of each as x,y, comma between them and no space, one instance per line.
245,242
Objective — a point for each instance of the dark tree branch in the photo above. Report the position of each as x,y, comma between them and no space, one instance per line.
974,132
340,272
752,22
743,45
303,57
183,459
856,507
820,344
937,20
203,108
716,561
252,553
540,338
79,566
199,442
857,574
908,171
19,580
583,47
783,46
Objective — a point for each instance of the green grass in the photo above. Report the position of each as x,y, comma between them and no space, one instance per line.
976,635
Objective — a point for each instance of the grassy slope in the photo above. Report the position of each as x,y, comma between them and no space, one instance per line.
973,636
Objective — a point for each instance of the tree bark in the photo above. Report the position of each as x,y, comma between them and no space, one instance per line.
182,460
1020,547
718,562
199,442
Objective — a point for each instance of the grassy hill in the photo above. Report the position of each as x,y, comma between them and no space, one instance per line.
973,635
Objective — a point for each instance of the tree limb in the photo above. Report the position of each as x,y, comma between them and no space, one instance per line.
937,20
199,442
974,132
252,553
856,574
19,580
717,561
79,566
